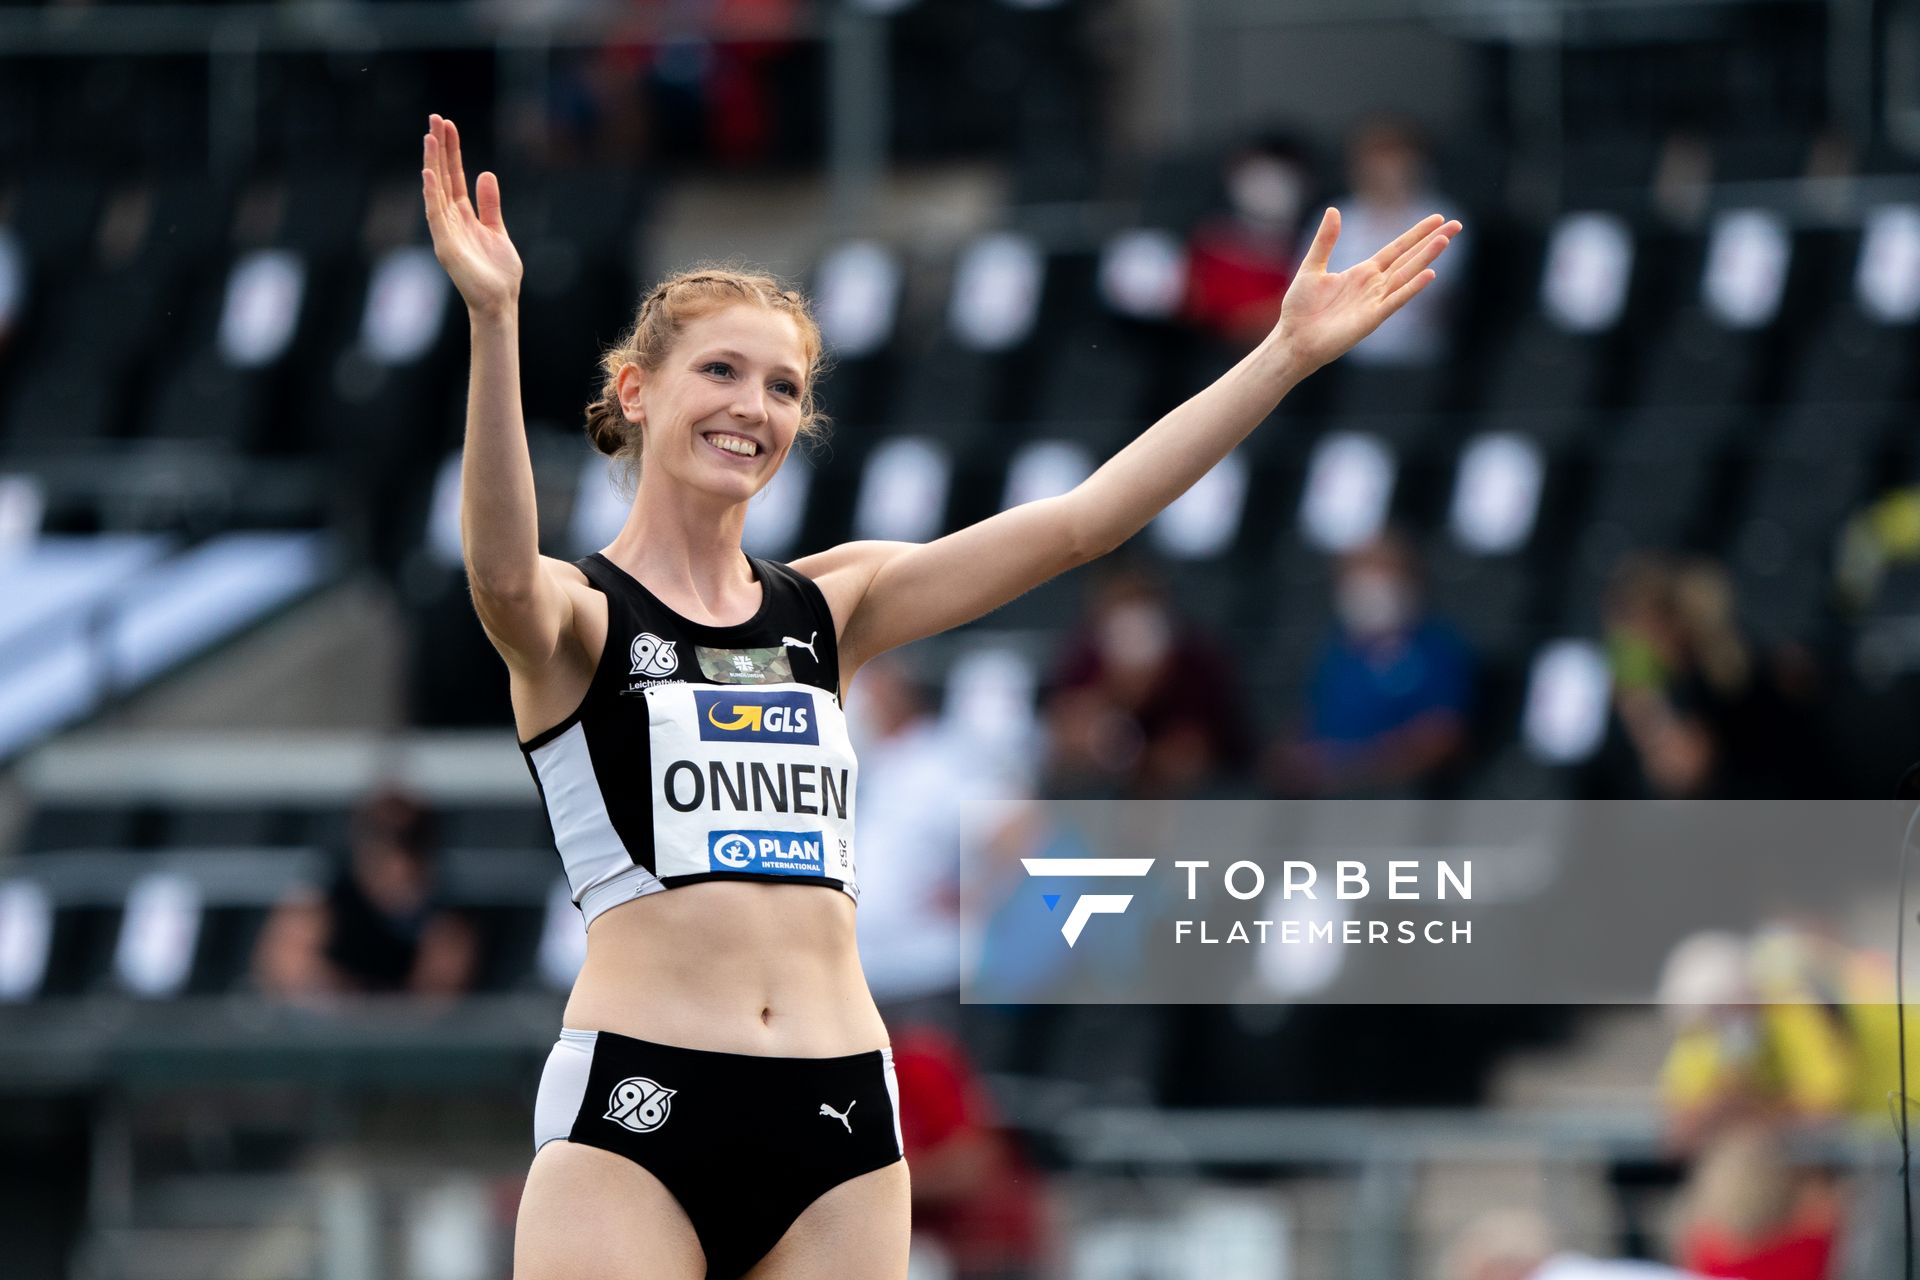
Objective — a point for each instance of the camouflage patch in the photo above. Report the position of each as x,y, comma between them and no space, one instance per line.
745,666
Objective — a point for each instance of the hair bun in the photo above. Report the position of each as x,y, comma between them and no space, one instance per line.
606,427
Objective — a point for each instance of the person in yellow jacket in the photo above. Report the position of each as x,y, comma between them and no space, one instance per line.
1790,1025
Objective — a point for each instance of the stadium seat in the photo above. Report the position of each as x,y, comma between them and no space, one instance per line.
1651,487
62,404
1098,371
1489,599
1698,361
512,826
56,213
1541,368
947,391
1851,359
235,826
88,826
321,205
204,400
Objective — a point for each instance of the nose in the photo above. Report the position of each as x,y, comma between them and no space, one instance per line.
750,404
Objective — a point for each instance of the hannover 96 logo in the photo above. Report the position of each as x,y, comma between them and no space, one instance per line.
653,656
640,1104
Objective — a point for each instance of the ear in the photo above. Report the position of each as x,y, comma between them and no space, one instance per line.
629,384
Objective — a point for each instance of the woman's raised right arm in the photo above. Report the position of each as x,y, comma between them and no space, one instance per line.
523,607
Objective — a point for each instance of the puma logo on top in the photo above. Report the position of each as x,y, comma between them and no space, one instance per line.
806,644
841,1116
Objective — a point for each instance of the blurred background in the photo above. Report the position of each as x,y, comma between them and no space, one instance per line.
1626,505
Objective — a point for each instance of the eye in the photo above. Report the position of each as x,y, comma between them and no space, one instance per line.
786,388
721,365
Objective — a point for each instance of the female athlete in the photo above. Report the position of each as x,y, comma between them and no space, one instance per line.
721,1100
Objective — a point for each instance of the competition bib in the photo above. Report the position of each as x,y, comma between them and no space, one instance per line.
754,779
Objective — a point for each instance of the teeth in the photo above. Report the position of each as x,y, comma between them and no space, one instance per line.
735,444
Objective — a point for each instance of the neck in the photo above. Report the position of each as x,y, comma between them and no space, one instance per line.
684,545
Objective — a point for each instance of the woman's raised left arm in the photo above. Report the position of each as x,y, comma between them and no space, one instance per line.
886,594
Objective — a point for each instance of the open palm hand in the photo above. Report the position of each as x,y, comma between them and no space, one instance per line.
469,237
1326,313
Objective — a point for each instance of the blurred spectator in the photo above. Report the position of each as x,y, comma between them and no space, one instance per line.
1240,262
920,789
1143,703
1661,697
691,96
1392,691
1517,1244
378,926
1748,1215
975,1197
1879,558
1698,713
1391,191
1788,1027
1763,704
1683,178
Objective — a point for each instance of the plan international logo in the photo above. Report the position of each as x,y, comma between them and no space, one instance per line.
1086,905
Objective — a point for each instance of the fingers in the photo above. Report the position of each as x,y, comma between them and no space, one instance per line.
1399,297
447,153
437,158
458,170
1446,232
1387,257
487,198
443,221
1323,240
1415,260
431,188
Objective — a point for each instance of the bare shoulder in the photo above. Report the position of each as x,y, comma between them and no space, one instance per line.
555,626
847,556
842,573
565,572
544,693
589,611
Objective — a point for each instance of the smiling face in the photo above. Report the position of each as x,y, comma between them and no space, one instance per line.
723,408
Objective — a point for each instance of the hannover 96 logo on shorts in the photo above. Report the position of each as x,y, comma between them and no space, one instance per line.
640,1104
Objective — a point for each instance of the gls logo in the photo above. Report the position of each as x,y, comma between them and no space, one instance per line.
1091,904
734,716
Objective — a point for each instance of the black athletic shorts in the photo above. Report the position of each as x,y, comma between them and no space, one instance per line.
744,1143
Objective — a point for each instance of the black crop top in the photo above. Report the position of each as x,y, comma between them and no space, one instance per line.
700,752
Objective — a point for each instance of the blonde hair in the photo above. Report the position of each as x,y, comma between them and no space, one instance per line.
664,315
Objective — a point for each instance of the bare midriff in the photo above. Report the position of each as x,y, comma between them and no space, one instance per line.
765,969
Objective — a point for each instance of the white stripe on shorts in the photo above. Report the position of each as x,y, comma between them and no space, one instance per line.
563,1086
893,1096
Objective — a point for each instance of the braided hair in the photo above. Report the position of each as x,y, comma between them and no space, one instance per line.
664,314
